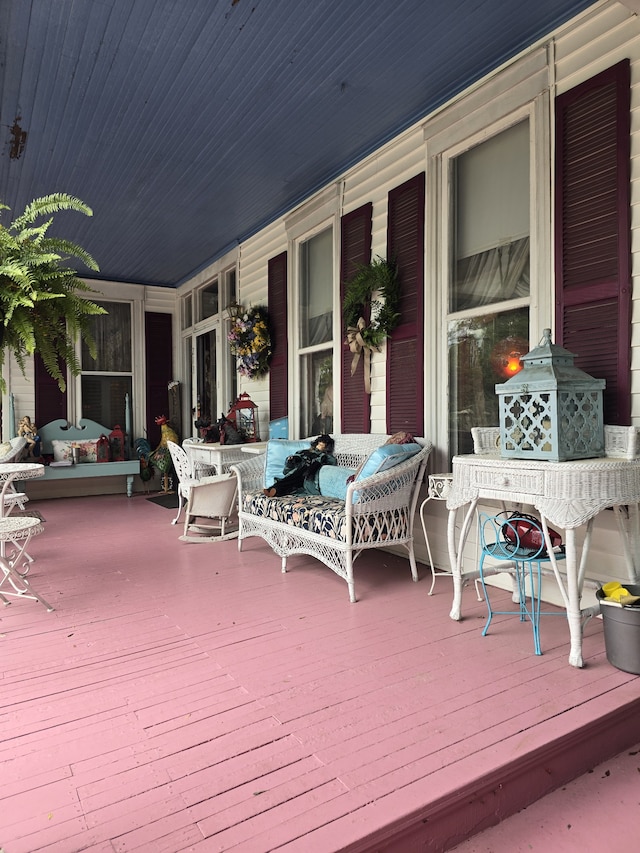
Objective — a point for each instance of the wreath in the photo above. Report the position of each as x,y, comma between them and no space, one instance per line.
250,342
370,321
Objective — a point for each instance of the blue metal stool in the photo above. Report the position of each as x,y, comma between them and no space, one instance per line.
519,543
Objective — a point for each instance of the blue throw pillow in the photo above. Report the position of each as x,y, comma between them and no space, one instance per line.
277,451
332,480
386,457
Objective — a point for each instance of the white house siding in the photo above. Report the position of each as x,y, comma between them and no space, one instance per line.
253,262
601,39
593,42
160,300
21,387
597,41
371,181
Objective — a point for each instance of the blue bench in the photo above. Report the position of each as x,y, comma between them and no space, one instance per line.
87,430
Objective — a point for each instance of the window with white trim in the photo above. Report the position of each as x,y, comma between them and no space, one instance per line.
489,276
315,332
207,361
107,378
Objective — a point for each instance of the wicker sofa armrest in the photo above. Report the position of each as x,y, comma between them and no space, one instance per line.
250,474
395,488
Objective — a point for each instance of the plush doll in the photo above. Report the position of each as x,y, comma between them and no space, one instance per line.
29,431
301,469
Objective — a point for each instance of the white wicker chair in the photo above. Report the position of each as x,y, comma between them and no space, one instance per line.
213,499
184,473
378,511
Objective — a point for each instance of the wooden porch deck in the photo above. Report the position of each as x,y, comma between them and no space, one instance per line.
187,697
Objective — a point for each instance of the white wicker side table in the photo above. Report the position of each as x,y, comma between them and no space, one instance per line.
438,489
566,495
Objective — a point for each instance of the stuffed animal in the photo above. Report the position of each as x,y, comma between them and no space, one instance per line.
29,431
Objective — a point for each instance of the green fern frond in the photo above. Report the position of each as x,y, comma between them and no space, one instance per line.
65,247
49,204
42,307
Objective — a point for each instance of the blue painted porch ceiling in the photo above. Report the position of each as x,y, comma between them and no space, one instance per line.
187,125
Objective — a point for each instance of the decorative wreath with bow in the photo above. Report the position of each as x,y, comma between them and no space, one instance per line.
370,321
250,341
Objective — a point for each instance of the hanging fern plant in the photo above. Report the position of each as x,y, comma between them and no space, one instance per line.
374,318
42,304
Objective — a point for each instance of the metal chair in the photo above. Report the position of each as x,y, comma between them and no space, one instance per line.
15,534
502,537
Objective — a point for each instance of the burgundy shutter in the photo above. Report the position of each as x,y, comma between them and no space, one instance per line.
592,241
355,250
158,353
51,402
277,303
405,246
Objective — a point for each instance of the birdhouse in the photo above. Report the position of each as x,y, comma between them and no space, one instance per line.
551,409
245,415
116,444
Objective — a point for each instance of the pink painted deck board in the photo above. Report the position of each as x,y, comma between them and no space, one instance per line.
194,698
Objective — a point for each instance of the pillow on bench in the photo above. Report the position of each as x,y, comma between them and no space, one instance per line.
63,450
333,481
386,457
277,451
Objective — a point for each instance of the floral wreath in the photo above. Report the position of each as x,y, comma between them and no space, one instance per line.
250,341
369,322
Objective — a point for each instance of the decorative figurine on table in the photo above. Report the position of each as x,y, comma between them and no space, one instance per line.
29,431
301,469
208,432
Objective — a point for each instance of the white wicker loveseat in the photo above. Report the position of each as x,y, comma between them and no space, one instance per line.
376,512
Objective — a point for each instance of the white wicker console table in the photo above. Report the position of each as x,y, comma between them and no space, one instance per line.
566,495
219,457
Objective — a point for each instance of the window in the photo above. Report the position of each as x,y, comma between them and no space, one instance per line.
206,357
489,267
187,394
209,300
187,312
107,378
315,333
206,375
481,350
231,296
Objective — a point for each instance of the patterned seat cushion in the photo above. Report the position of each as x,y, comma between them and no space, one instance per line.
325,516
